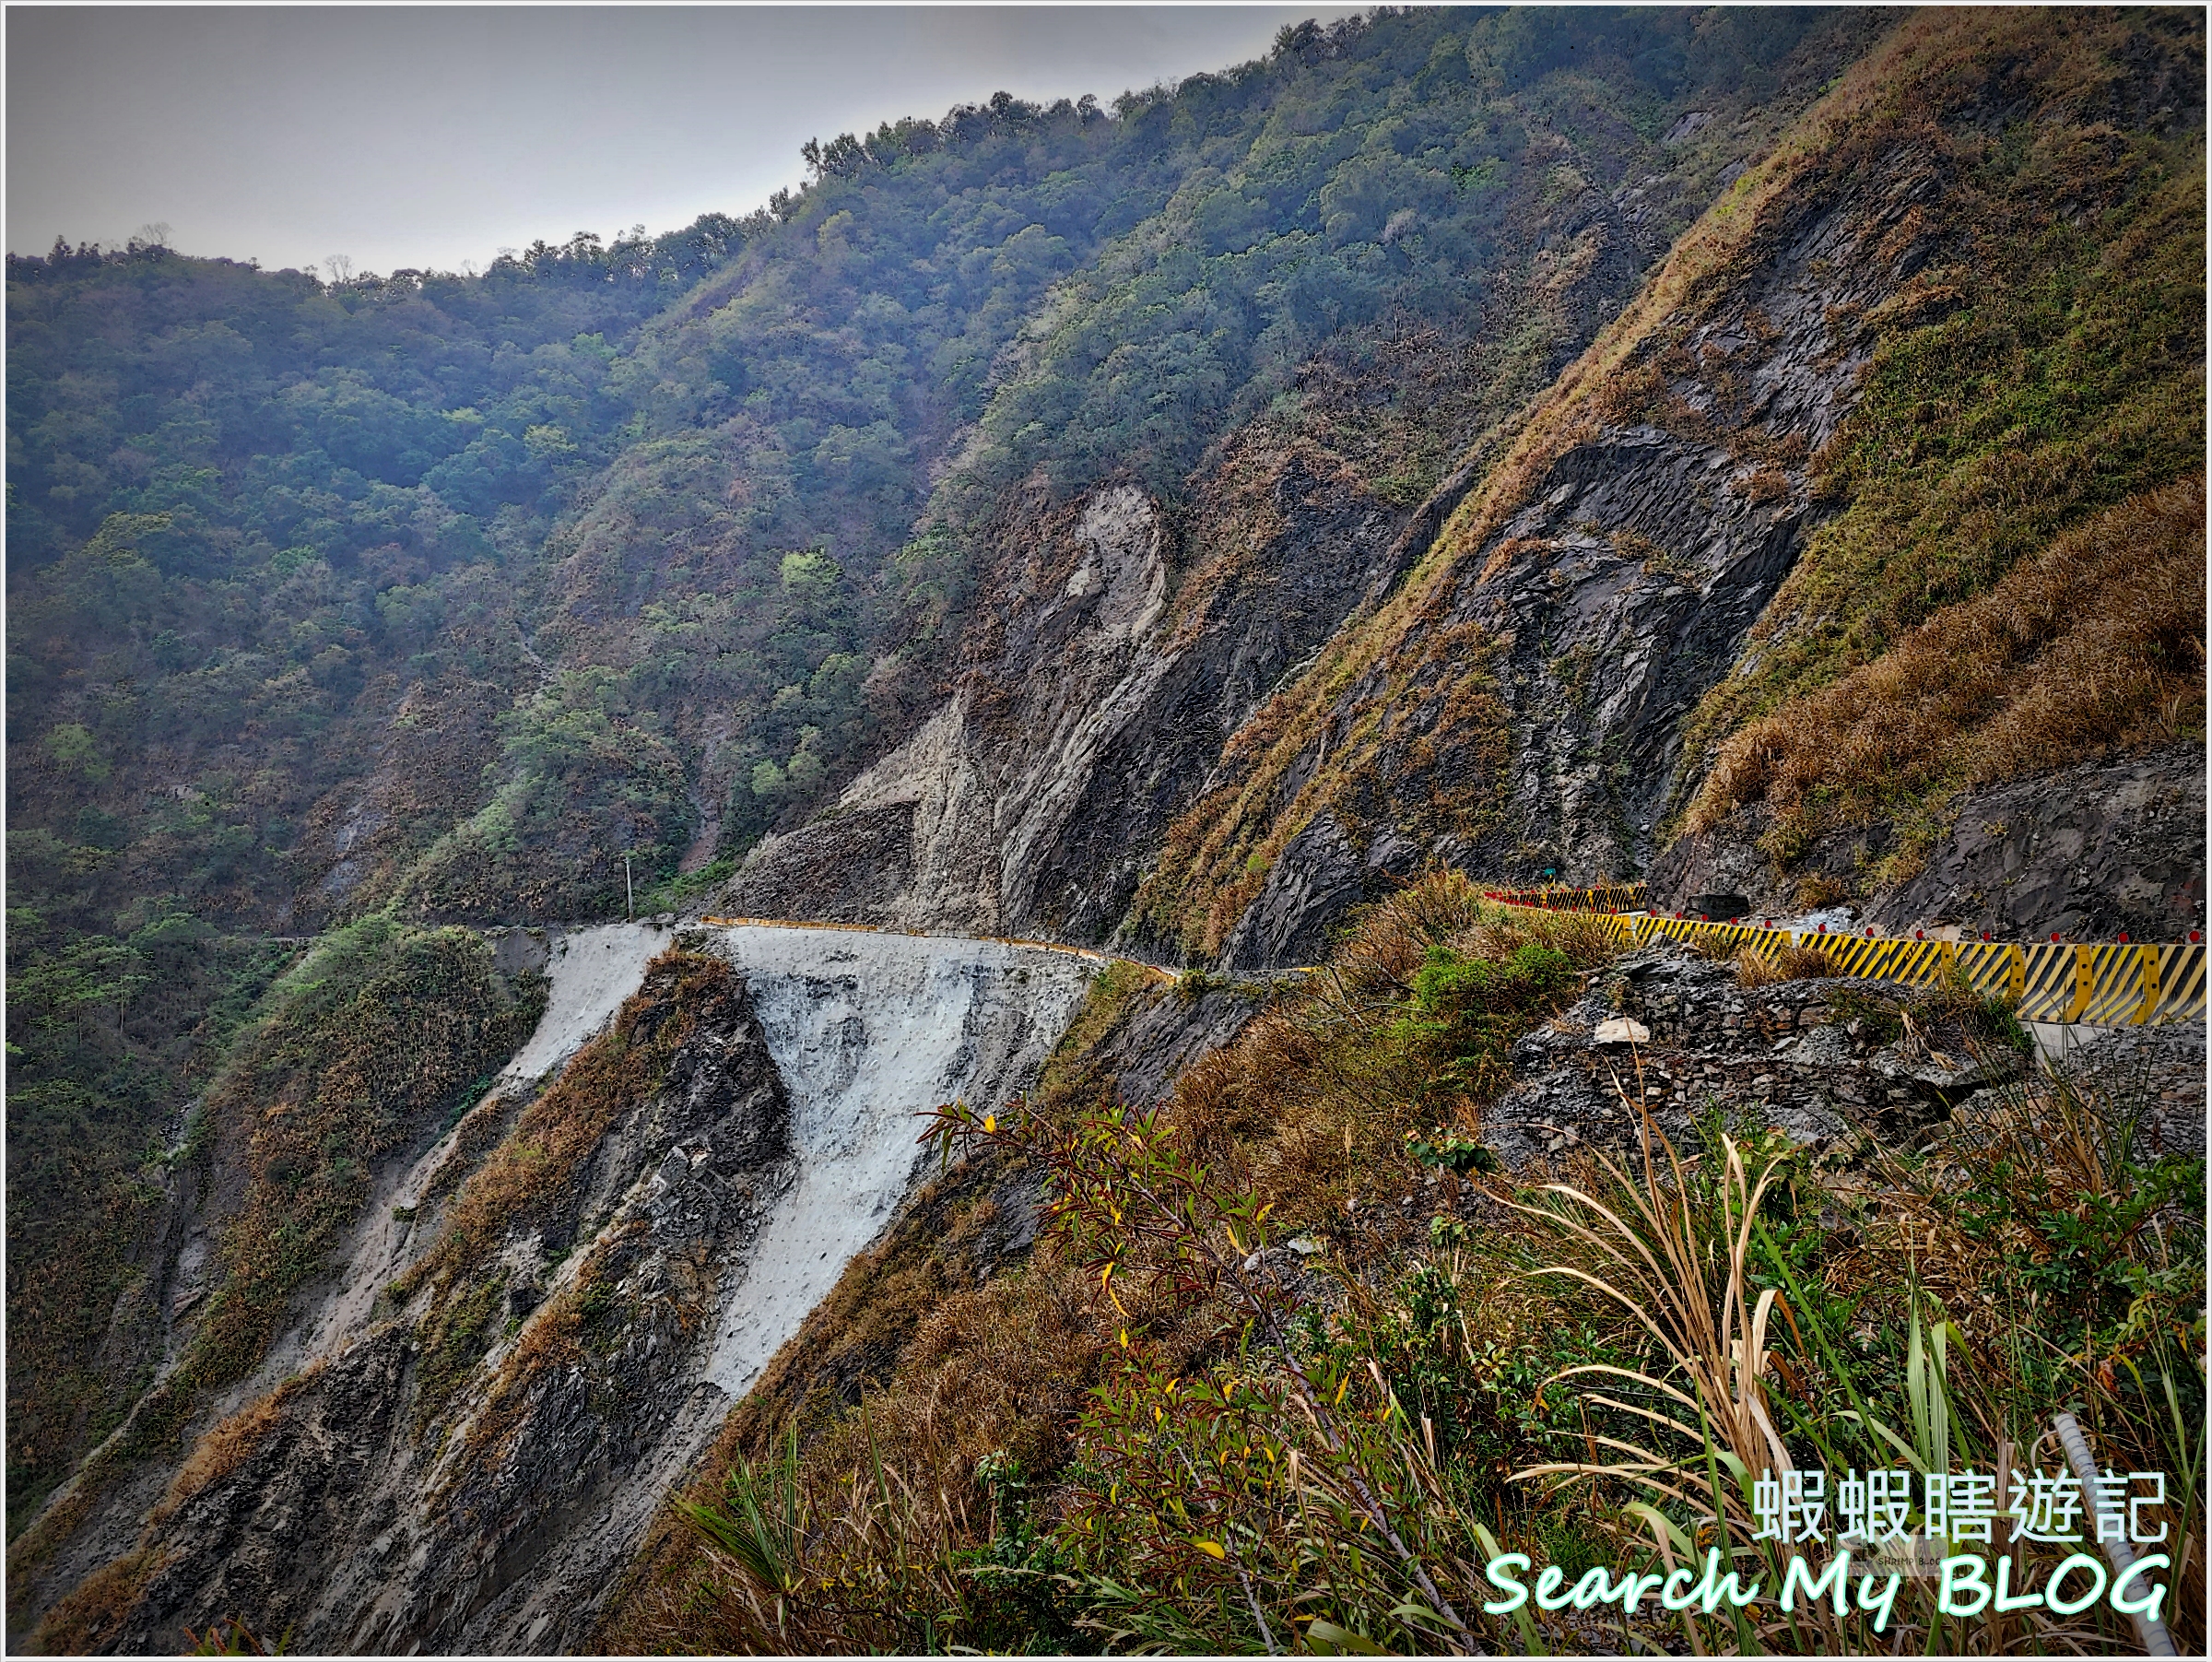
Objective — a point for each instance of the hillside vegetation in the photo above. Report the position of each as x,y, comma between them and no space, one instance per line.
371,1043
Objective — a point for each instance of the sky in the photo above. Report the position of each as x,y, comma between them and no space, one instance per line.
434,135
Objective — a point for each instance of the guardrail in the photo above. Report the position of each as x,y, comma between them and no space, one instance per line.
2111,984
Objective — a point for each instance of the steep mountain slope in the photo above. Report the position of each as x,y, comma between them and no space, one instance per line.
834,441
261,633
1123,633
362,1050
1203,1348
545,1314
310,608
493,597
1639,570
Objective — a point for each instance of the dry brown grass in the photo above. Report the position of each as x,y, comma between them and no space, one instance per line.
369,1038
1215,855
2096,645
1933,1211
1358,704
1820,889
2073,1133
1302,1077
902,1383
952,1365
1762,967
1608,382
88,1616
1672,1245
227,1446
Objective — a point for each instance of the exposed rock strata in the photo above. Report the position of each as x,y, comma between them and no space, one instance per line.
2089,851
1321,877
851,866
1523,707
1160,1037
1113,658
337,1520
1820,1060
469,1433
1617,593
960,1228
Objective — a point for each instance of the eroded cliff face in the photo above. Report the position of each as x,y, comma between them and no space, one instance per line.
544,1319
1520,706
1097,690
1528,717
1528,702
2091,851
904,1319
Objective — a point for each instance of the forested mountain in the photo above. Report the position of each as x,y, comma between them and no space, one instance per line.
1504,440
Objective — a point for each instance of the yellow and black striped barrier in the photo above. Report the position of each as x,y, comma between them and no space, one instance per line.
2117,984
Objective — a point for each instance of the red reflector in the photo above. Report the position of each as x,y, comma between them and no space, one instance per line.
2123,938
1918,935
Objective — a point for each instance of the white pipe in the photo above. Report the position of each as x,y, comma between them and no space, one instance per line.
2157,1641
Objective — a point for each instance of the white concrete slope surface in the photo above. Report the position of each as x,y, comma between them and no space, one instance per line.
589,972
870,1032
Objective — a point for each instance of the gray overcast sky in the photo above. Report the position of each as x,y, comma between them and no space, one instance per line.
429,135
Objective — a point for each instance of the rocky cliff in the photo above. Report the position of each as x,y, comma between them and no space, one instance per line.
1678,533
1091,708
1215,734
937,1319
2091,851
458,1439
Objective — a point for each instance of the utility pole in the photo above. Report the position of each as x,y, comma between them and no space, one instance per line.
629,898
